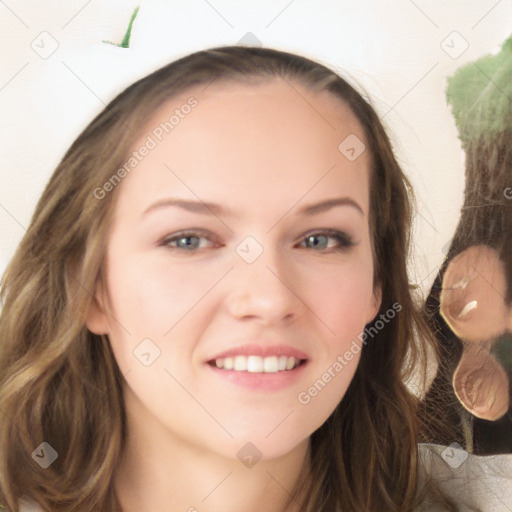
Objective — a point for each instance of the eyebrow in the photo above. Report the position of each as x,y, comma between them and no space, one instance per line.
209,208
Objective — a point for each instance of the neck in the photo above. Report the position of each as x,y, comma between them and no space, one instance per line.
159,471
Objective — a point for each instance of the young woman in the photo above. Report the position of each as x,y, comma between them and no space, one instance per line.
211,310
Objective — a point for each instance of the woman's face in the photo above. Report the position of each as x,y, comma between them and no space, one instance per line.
229,262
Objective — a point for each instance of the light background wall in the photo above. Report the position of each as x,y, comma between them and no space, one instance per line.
399,51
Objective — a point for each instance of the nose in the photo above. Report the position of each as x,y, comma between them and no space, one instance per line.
264,291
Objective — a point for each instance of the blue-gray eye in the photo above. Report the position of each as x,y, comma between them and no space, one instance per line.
320,240
190,241
186,241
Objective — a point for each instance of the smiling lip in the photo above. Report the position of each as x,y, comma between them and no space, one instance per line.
260,381
262,351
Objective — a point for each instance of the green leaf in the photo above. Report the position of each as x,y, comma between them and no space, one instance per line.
125,43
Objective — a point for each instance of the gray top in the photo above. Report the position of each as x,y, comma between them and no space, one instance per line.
484,482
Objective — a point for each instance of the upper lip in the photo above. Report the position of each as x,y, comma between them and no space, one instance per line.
262,350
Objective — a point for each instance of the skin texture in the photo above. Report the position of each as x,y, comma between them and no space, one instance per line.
263,151
473,304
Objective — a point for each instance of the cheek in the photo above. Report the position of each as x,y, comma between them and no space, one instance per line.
341,297
150,297
168,303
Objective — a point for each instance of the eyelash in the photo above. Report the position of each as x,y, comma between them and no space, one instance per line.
344,240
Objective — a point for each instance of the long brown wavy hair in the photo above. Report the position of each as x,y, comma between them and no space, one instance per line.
60,383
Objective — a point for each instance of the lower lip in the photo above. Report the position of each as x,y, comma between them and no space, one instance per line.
261,381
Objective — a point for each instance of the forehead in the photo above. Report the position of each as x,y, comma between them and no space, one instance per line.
244,140
276,104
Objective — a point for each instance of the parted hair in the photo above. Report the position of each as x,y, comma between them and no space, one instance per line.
60,383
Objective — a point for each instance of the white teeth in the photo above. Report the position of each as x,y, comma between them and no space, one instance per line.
240,363
270,364
257,364
254,364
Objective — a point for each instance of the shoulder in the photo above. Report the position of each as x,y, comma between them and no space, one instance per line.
481,481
